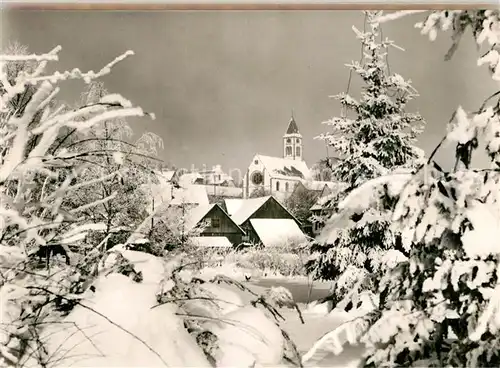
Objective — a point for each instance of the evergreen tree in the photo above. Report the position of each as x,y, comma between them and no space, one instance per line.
441,306
376,141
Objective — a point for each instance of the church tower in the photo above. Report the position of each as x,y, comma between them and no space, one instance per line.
292,142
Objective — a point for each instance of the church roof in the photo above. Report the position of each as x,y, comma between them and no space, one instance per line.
292,127
283,168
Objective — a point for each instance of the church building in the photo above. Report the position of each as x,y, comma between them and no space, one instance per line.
278,176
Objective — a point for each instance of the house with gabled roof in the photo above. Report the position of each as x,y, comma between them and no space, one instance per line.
304,195
278,176
170,176
323,208
210,221
265,220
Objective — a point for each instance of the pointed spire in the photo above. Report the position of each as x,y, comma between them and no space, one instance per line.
292,126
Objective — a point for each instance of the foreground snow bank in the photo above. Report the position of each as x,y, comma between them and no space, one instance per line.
247,336
116,327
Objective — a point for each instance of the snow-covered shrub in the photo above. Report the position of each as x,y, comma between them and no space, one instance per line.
214,313
440,307
286,259
37,176
118,323
377,141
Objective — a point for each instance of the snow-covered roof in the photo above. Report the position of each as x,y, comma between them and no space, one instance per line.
211,241
232,205
168,194
318,185
217,190
195,215
247,208
216,176
273,232
189,178
283,168
168,175
212,180
164,177
190,194
159,193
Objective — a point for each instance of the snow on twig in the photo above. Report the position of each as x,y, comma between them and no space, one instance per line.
50,56
78,74
396,15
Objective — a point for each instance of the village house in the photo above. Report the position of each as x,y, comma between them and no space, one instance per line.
170,176
216,177
277,176
215,183
214,224
173,193
319,188
304,195
190,178
265,221
324,208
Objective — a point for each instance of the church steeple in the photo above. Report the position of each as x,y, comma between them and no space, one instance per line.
292,141
292,126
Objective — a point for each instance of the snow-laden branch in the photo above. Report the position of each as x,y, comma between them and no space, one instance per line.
94,204
396,15
78,74
50,56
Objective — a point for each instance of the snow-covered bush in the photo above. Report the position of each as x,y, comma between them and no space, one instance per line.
376,141
214,313
37,176
440,307
286,259
171,230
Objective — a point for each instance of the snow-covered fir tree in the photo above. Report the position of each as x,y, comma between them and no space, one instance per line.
377,140
441,305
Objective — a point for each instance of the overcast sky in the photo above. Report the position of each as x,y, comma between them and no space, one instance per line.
223,84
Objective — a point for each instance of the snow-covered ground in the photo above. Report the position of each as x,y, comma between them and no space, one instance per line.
117,326
316,325
317,320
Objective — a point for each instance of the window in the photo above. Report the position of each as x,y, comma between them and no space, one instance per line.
277,186
288,140
215,222
286,187
256,162
297,151
257,178
288,151
297,140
